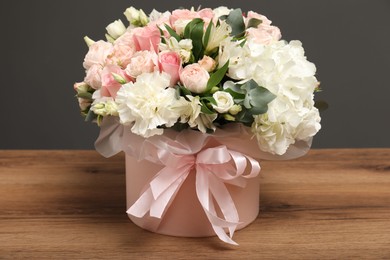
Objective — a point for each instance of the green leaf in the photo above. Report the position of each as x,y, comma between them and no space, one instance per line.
209,99
257,97
172,32
190,26
205,110
245,117
85,95
90,116
254,22
206,36
236,22
217,76
162,35
197,40
235,95
185,91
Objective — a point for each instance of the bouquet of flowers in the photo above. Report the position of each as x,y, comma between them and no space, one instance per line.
201,70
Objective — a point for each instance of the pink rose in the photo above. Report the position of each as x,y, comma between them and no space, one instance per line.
265,34
194,78
147,38
142,62
170,63
182,14
180,17
109,85
97,54
207,63
123,49
206,14
264,20
93,77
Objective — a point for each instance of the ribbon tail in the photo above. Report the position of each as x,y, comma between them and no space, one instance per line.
203,188
142,205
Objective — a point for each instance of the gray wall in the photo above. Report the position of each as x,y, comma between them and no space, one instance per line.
42,52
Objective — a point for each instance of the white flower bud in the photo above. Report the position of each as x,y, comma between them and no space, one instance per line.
235,109
186,44
88,41
132,15
116,29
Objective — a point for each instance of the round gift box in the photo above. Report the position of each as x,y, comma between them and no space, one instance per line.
185,216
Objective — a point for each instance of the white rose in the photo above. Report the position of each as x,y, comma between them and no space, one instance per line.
116,29
224,101
194,78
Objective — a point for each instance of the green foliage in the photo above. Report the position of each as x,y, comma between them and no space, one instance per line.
194,31
236,22
253,98
217,77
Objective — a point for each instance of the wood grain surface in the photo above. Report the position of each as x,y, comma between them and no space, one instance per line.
330,204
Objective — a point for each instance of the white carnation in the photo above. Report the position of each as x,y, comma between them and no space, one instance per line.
148,104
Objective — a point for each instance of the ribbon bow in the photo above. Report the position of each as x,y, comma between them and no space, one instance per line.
214,167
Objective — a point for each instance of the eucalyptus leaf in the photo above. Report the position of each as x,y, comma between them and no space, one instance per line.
236,22
245,117
257,96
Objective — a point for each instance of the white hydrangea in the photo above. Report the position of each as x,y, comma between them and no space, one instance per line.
148,104
283,69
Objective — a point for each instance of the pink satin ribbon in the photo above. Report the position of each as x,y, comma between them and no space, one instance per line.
214,167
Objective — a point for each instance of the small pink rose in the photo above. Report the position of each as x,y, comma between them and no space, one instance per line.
264,34
264,19
142,62
147,38
170,63
97,54
207,63
194,78
109,85
93,76
182,14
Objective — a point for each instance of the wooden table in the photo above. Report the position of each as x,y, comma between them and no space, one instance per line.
330,204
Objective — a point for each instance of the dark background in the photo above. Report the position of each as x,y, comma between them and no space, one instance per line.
42,51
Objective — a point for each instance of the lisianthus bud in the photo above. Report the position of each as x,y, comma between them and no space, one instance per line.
116,29
229,117
105,108
186,44
81,87
235,109
88,41
136,17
